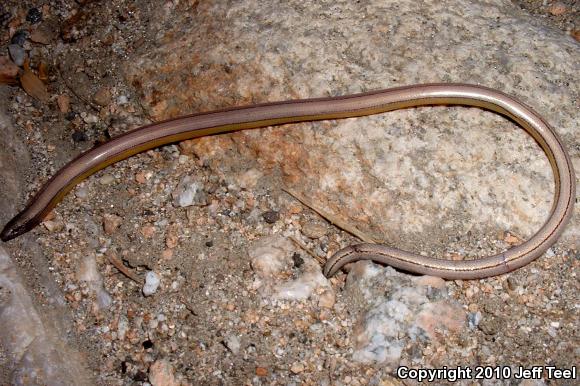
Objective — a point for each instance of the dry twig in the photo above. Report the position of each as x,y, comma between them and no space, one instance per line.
331,218
320,260
117,263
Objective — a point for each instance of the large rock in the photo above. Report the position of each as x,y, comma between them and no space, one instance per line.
36,333
427,174
36,354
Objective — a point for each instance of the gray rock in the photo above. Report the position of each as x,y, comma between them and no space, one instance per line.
152,282
89,273
396,311
37,357
189,192
17,53
233,343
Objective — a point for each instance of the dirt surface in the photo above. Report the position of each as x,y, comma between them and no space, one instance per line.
564,15
208,323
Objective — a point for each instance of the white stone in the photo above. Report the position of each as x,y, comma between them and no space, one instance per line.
152,282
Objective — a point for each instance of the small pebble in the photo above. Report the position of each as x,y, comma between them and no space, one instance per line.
294,208
42,35
152,282
34,15
122,327
471,291
63,102
261,371
111,222
271,216
489,325
148,231
8,70
512,283
187,147
473,319
327,299
79,136
141,177
298,260
102,96
431,281
106,179
52,226
297,368
232,342
249,179
19,38
161,374
90,118
313,230
171,239
82,191
89,273
511,239
558,8
189,192
122,100
17,54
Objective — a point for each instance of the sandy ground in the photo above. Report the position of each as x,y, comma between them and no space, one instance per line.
221,315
